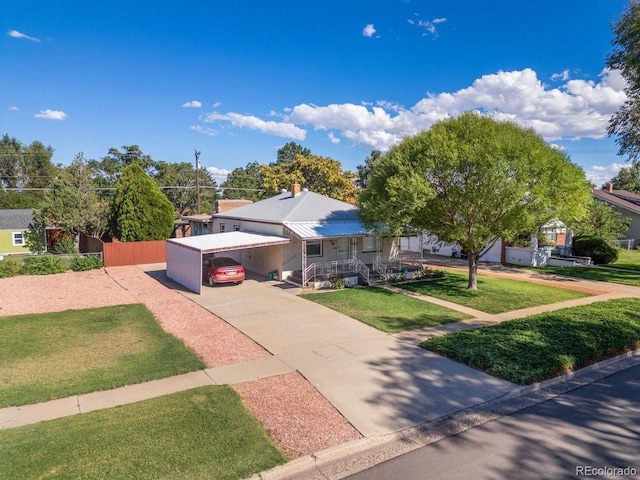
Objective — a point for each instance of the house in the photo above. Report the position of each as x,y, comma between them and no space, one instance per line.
202,224
625,203
14,226
296,235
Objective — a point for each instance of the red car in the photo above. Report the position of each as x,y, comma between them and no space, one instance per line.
222,270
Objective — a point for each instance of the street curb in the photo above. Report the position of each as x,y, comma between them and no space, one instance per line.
357,455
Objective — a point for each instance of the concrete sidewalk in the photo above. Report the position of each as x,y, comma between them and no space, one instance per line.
229,374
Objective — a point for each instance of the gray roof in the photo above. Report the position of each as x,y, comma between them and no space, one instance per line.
304,207
16,219
621,198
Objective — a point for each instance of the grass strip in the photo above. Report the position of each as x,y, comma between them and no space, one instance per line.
628,259
200,433
597,274
55,355
385,310
494,295
544,346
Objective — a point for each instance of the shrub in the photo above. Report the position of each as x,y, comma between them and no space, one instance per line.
43,265
83,263
9,268
429,273
65,246
337,283
591,246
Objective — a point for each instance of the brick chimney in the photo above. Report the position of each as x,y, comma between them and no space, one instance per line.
610,187
295,189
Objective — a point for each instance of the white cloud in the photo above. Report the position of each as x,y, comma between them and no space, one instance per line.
564,76
280,129
216,105
192,104
574,109
207,131
369,30
219,174
17,34
51,115
599,175
428,26
13,109
332,138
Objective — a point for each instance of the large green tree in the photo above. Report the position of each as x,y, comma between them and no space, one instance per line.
108,169
244,183
471,180
363,171
140,211
73,205
319,174
601,221
288,152
625,123
628,179
178,182
25,171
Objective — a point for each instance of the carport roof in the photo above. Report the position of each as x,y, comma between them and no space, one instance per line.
224,242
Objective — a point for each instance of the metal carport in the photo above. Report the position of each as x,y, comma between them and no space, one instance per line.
184,255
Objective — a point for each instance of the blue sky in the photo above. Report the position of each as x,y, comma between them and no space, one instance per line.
238,79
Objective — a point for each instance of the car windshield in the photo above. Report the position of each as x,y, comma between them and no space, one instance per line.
224,262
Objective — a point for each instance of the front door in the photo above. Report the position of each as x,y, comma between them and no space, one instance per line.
343,249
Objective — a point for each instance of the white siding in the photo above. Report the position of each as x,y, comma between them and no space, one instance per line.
184,265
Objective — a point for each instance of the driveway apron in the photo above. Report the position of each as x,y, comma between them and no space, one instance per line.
380,383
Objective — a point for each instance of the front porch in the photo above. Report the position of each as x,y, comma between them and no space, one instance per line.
355,272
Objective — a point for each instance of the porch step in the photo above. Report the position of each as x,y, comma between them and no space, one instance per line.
295,277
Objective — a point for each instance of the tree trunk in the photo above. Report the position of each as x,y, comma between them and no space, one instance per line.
473,270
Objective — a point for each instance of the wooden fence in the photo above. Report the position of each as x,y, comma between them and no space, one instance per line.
116,254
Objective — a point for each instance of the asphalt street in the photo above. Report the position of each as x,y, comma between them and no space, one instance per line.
589,432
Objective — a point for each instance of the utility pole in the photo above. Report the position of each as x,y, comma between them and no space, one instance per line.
197,154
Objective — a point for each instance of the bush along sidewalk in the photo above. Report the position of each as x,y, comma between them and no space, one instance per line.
48,265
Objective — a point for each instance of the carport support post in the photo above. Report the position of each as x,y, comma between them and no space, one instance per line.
304,262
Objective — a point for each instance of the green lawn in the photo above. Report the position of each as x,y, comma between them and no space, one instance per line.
56,355
494,295
385,310
598,274
628,259
543,346
200,433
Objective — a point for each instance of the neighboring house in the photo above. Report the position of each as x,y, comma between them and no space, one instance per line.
199,224
625,203
295,235
202,224
14,225
428,243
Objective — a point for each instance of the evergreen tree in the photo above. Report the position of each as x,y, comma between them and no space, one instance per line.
140,211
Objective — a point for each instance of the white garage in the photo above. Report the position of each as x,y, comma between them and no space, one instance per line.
184,255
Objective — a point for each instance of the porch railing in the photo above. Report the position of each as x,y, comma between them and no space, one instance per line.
337,267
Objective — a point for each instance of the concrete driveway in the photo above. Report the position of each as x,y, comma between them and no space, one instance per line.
380,383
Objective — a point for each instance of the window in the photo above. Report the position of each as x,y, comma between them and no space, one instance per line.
222,227
236,228
18,239
314,249
370,244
